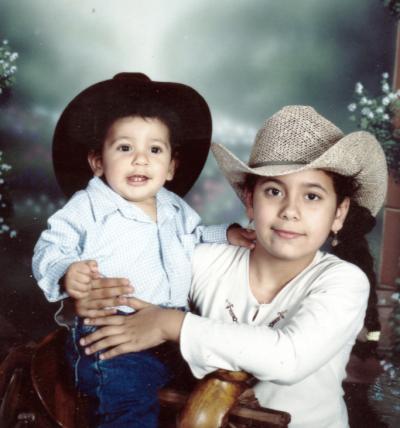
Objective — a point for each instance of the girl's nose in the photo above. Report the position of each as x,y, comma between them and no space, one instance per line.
290,210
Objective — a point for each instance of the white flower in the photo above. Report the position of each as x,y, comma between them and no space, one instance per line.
385,75
385,117
385,88
365,111
5,227
386,101
352,107
359,88
363,100
395,296
370,115
13,56
392,96
13,234
379,110
5,42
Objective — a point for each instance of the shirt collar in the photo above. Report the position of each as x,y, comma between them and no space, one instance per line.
167,205
105,202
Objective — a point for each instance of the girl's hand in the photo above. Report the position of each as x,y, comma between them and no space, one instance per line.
149,326
237,235
103,294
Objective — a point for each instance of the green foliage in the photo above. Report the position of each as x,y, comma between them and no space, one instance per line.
393,6
384,393
7,66
7,79
378,115
394,323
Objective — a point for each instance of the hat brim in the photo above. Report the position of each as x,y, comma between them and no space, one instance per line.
80,117
358,155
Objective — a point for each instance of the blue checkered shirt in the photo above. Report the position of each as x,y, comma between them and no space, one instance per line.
98,224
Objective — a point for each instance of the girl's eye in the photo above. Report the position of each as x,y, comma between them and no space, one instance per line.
156,149
312,197
272,191
124,148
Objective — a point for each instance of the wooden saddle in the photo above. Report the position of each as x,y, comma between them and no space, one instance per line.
35,391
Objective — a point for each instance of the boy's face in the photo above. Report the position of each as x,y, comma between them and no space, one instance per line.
136,159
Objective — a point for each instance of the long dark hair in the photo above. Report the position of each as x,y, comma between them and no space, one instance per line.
352,247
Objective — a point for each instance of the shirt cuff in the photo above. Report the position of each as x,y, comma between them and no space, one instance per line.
50,284
215,234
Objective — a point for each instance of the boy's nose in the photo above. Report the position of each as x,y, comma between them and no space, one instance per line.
140,158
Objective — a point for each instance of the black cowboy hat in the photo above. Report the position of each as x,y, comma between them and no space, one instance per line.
84,118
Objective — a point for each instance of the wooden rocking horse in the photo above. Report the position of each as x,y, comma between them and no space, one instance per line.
35,391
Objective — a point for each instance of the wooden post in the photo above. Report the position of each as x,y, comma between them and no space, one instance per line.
390,250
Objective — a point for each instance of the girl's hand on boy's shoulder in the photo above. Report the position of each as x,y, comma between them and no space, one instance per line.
237,235
78,278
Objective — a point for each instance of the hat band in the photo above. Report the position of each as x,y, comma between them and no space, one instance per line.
272,163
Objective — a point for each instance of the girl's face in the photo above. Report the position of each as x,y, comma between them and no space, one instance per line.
294,213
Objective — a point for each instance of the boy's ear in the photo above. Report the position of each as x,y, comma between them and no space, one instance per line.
96,163
340,215
248,199
173,165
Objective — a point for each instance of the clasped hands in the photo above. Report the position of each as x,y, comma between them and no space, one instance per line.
95,299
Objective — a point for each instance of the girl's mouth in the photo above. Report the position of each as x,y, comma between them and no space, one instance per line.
287,234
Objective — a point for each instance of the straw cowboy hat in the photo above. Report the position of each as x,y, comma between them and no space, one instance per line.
297,138
86,116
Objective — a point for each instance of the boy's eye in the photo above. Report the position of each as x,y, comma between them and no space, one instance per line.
312,197
124,148
155,149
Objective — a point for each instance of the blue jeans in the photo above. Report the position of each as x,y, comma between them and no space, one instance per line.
122,391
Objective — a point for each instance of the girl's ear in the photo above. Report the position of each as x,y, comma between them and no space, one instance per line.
96,163
340,215
172,168
248,199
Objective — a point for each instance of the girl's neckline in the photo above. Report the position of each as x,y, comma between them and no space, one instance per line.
316,258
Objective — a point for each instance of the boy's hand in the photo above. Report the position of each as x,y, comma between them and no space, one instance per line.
78,278
237,235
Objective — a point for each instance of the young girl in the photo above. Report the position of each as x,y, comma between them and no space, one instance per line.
286,312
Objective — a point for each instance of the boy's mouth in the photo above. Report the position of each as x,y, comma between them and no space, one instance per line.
137,179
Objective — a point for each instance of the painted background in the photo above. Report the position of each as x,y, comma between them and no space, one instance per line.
247,58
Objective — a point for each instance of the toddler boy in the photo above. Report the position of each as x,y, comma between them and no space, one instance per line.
135,136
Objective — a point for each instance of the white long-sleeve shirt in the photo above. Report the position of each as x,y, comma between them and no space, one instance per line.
297,346
98,224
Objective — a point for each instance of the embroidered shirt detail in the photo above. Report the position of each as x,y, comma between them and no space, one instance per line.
229,306
281,316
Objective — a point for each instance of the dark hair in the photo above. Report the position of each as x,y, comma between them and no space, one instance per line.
352,247
140,108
